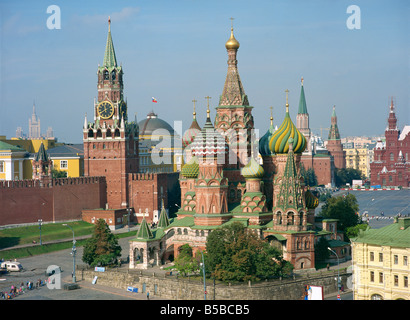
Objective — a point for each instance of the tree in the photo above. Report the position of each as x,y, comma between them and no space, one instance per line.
343,208
234,253
58,174
353,232
321,251
102,249
185,263
346,175
309,176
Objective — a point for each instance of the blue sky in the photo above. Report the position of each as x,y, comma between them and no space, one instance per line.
175,51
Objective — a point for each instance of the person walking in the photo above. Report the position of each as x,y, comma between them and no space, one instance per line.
147,295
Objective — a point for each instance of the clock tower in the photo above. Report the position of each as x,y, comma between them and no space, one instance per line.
111,141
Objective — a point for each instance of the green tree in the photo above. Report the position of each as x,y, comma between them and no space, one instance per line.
346,175
236,254
343,208
185,262
353,232
58,174
321,251
309,176
102,249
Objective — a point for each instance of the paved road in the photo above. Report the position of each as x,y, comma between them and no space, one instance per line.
35,267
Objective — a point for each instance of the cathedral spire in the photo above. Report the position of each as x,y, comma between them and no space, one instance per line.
110,60
302,100
233,93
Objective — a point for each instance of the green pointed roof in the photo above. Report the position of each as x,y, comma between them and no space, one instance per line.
144,231
110,61
290,195
42,154
334,129
302,101
163,218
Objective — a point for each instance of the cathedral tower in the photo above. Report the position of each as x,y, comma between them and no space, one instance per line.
234,115
111,142
302,118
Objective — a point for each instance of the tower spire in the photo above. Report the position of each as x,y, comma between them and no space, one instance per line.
194,113
287,101
109,56
233,93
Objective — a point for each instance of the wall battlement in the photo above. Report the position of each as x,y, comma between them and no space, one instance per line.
30,183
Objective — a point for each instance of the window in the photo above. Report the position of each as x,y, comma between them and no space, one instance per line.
406,281
380,257
371,276
63,164
396,259
381,277
396,280
391,156
405,261
1,166
371,256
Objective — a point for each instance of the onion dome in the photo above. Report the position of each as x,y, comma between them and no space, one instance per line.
278,142
191,168
264,141
311,201
232,43
209,142
253,170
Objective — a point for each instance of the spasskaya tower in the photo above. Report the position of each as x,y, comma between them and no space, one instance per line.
111,141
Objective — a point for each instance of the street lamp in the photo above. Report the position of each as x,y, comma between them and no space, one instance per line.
40,221
203,271
338,278
73,251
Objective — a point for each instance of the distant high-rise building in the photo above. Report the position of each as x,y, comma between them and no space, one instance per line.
34,125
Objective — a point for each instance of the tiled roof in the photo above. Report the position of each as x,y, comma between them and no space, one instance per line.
67,150
395,235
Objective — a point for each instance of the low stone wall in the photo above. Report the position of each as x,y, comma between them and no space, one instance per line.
173,288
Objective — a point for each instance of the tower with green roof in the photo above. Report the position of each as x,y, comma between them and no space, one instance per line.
334,143
302,118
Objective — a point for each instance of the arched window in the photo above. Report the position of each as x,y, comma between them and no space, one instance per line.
113,75
106,75
391,156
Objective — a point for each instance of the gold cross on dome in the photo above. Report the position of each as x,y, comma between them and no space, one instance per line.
232,22
287,103
194,107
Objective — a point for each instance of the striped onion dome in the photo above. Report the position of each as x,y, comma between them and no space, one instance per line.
278,142
191,168
264,141
311,201
209,141
253,170
191,133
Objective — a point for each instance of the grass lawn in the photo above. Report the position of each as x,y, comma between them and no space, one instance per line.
49,232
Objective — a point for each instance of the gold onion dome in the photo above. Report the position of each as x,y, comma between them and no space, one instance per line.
311,201
278,142
253,170
191,168
232,43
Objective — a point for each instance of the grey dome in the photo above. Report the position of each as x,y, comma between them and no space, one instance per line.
152,123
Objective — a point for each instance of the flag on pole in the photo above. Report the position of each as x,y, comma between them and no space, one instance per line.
154,100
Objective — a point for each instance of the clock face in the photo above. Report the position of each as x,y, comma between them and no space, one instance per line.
105,109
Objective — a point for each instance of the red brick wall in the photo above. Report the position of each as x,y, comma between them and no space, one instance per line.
27,201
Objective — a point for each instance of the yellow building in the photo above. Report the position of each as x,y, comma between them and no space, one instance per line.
358,159
68,158
381,266
13,162
30,145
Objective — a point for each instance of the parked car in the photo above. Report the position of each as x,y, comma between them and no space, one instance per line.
11,266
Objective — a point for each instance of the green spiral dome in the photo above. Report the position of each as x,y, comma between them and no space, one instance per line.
278,142
311,201
252,170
